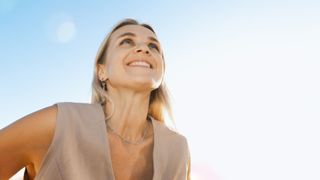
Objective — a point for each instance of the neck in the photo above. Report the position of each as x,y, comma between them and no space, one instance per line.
129,118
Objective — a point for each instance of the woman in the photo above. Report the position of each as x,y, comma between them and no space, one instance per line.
120,135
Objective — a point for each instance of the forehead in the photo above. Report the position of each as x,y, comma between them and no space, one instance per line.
138,30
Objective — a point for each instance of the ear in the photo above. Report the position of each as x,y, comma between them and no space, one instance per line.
101,72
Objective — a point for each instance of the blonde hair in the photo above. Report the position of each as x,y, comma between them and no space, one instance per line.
159,102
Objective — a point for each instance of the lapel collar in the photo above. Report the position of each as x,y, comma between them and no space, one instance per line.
156,154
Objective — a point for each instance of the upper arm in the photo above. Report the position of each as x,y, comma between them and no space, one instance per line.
20,141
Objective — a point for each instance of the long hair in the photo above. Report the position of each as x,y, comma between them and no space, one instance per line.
159,102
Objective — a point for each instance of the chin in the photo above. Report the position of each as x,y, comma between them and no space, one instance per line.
143,83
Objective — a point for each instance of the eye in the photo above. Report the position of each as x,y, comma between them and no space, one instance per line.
127,41
154,46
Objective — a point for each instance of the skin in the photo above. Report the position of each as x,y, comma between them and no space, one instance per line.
25,142
129,88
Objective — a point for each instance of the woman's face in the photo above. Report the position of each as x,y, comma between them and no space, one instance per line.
134,59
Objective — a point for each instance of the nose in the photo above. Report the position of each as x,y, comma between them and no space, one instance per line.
142,49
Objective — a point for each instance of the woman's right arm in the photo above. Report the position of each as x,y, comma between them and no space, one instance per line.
21,141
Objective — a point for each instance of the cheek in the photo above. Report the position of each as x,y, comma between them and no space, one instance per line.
161,69
161,63
113,67
116,55
114,62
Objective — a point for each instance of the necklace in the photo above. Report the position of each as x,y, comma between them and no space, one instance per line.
127,141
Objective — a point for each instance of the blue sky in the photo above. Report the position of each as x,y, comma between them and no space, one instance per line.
243,75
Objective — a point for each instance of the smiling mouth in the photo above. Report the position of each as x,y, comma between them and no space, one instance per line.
140,63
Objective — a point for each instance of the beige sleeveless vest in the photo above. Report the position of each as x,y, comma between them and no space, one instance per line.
80,149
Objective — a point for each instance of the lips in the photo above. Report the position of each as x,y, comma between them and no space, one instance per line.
140,63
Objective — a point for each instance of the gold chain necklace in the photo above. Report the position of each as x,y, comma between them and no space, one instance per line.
127,141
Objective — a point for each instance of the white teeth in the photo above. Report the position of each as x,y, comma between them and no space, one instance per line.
140,63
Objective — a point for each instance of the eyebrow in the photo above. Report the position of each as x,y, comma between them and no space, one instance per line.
133,35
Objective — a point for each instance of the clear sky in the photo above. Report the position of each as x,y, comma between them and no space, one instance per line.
244,75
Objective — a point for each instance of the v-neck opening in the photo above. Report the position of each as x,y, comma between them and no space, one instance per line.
107,150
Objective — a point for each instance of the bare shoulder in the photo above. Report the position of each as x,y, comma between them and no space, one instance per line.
22,141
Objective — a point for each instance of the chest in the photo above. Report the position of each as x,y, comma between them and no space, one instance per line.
131,161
